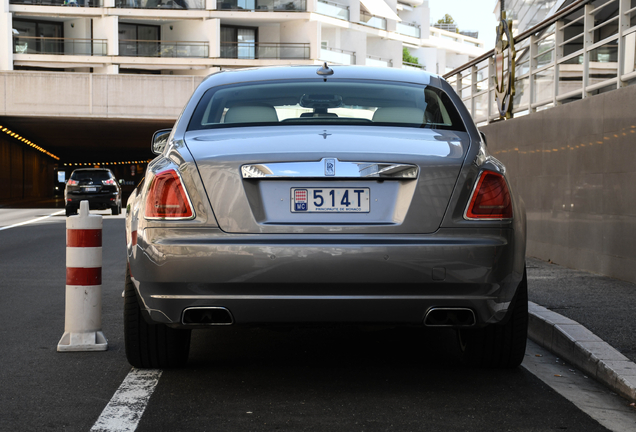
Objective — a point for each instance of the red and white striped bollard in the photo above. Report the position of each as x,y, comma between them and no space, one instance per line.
83,316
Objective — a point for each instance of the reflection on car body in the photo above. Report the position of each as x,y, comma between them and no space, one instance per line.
361,195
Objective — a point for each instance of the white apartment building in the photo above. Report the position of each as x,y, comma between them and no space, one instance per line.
197,37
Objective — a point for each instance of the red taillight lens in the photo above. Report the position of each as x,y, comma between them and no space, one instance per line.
73,182
167,199
109,182
490,199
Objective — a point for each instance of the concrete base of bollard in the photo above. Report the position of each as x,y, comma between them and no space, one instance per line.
91,341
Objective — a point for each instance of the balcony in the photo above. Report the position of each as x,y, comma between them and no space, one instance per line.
263,5
265,50
378,62
160,48
59,46
333,9
338,56
372,20
409,29
413,66
81,3
161,4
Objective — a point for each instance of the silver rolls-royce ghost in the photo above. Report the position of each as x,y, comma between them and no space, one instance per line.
324,195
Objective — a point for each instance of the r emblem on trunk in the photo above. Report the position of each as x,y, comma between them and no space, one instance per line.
330,167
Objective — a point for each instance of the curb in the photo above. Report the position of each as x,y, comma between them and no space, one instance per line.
582,348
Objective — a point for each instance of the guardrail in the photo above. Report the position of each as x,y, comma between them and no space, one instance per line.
333,9
265,50
378,61
264,5
407,65
161,48
409,29
585,49
339,56
160,4
59,46
80,3
372,20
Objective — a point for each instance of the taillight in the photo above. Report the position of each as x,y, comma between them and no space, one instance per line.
490,199
109,182
72,182
167,198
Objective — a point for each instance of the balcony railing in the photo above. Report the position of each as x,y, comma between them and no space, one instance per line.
160,4
335,55
333,9
579,52
372,20
81,3
414,66
409,29
161,48
59,46
264,5
378,62
265,50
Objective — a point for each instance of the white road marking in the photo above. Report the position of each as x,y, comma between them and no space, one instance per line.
32,220
123,412
607,408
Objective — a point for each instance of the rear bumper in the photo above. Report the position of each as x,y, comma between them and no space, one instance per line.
95,201
264,279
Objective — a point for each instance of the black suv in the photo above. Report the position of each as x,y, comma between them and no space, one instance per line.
96,185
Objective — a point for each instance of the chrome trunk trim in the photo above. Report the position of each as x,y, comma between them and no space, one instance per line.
323,168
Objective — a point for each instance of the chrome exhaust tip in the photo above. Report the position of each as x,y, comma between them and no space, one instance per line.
211,315
450,317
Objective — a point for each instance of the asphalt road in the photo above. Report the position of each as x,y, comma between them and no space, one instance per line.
330,379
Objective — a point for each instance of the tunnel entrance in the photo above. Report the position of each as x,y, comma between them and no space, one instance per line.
37,154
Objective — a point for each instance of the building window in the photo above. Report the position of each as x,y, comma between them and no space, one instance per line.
238,42
38,37
139,40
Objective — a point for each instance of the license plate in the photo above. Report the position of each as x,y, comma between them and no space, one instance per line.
330,200
90,189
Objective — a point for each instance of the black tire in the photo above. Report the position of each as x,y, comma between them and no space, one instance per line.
116,210
500,345
70,211
151,345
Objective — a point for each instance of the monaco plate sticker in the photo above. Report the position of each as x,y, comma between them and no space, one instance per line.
330,200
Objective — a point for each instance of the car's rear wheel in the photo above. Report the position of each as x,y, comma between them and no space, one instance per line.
70,211
151,345
116,209
500,345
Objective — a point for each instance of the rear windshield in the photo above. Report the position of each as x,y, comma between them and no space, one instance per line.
91,175
326,102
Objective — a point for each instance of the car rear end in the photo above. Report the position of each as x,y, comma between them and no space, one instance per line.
363,200
97,186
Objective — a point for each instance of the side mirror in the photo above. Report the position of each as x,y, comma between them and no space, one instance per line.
483,138
160,140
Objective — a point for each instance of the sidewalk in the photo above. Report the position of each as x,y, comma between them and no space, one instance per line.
586,319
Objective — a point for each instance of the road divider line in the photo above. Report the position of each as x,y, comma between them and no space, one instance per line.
124,411
32,220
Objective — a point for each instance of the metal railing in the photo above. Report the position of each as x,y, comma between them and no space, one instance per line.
378,61
264,5
407,65
80,3
160,4
372,20
161,48
335,55
59,46
585,49
333,9
408,29
265,50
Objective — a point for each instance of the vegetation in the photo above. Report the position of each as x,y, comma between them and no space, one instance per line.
448,20
407,57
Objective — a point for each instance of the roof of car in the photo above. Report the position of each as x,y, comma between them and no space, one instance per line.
310,71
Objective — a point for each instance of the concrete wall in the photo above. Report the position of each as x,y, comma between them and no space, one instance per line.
94,95
575,167
24,173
